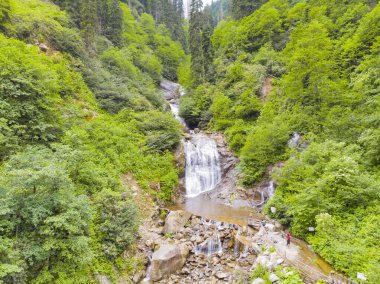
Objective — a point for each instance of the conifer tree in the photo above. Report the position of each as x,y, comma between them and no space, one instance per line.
200,31
241,9
4,13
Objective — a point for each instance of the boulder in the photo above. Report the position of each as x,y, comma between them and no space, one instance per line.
102,279
175,221
273,278
221,275
167,260
258,281
138,276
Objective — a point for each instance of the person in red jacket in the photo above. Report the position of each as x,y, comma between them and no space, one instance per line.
288,238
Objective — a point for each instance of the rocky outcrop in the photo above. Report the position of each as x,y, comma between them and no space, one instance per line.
171,89
167,260
175,221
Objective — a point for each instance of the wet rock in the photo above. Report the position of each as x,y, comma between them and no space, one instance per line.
175,221
273,278
170,89
258,281
167,260
187,136
146,281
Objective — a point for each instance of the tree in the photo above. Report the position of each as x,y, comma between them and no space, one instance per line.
200,31
5,14
241,9
50,222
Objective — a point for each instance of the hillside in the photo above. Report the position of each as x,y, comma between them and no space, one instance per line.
80,108
310,68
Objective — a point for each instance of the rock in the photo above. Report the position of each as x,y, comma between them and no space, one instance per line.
175,221
280,261
102,279
170,89
228,166
196,130
221,275
167,260
273,278
146,281
258,281
43,47
187,136
138,276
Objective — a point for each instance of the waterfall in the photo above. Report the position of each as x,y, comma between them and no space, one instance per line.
270,189
295,140
175,110
211,246
203,171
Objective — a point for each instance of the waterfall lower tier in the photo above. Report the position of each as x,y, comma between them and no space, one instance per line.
203,171
210,247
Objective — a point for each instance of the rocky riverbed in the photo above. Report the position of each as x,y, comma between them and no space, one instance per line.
218,236
184,248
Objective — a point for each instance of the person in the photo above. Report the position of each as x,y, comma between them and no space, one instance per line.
288,237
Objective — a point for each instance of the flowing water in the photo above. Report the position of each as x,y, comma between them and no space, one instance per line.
211,246
203,170
202,174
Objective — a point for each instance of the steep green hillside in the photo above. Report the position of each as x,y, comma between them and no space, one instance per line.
79,108
309,67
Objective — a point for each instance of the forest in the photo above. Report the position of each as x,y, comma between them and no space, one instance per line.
80,110
273,68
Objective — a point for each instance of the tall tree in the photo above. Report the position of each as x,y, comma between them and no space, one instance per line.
200,44
241,9
5,11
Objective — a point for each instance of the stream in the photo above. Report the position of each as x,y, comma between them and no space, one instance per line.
205,171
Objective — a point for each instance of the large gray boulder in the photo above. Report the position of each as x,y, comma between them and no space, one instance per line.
175,221
167,260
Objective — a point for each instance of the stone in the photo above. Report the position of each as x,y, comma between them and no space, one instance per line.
258,281
167,260
43,47
221,275
273,278
175,221
187,136
102,279
280,261
138,277
146,281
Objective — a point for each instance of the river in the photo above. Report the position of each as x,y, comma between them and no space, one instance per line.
204,172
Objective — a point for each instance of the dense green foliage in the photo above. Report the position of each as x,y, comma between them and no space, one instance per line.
309,67
79,110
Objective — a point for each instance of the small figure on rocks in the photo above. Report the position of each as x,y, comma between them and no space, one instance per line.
288,238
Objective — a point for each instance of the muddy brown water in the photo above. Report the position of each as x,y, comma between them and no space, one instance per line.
309,257
204,207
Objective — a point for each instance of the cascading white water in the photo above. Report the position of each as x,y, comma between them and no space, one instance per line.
175,110
270,189
211,246
295,140
203,171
